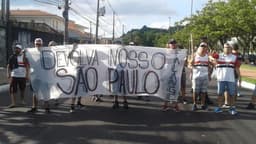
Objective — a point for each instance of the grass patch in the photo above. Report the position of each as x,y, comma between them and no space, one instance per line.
249,80
248,67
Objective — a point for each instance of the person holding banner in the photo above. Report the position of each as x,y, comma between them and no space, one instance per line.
117,89
200,75
172,44
38,45
73,99
17,73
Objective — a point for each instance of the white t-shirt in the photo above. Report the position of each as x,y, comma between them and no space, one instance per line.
20,71
226,67
200,67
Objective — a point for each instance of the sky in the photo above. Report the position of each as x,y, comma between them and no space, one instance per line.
129,14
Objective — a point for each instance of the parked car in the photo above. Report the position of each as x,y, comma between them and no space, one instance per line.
252,59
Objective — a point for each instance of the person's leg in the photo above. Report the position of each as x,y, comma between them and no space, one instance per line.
175,106
34,104
47,106
125,102
115,103
166,106
72,107
195,94
79,103
203,89
183,88
220,92
12,92
22,86
231,88
98,99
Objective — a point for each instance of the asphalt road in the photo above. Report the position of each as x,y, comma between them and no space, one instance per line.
142,123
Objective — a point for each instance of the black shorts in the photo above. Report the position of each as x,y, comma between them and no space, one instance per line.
15,82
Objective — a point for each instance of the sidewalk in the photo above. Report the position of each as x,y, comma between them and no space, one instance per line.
3,78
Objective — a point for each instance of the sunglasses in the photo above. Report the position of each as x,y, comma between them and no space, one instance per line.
204,46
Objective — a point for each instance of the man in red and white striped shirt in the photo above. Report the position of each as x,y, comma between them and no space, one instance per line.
226,65
17,73
200,75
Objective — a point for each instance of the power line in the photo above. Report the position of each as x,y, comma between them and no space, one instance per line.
47,2
79,14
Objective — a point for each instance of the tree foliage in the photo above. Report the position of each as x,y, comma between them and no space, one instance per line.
219,21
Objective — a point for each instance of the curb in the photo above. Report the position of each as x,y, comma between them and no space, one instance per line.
247,85
4,87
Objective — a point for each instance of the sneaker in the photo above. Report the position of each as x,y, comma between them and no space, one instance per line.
165,108
32,110
239,95
250,106
125,105
185,101
72,109
47,110
194,108
233,111
176,108
218,110
226,106
98,99
12,106
204,107
56,103
23,103
79,105
115,105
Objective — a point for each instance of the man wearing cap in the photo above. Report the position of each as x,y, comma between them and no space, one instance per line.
200,66
17,73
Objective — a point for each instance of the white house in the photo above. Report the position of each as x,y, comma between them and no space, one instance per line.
37,16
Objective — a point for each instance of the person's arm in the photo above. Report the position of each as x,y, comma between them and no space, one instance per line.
8,71
190,61
27,69
237,70
27,66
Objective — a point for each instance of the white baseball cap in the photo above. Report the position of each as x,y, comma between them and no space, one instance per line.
18,46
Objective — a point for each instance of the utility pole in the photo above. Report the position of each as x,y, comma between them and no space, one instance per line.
8,29
3,10
191,35
65,15
170,25
97,22
113,38
123,34
90,32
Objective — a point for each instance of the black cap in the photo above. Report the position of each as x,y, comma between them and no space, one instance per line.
172,41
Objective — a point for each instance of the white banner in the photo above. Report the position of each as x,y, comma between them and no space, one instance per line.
83,70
